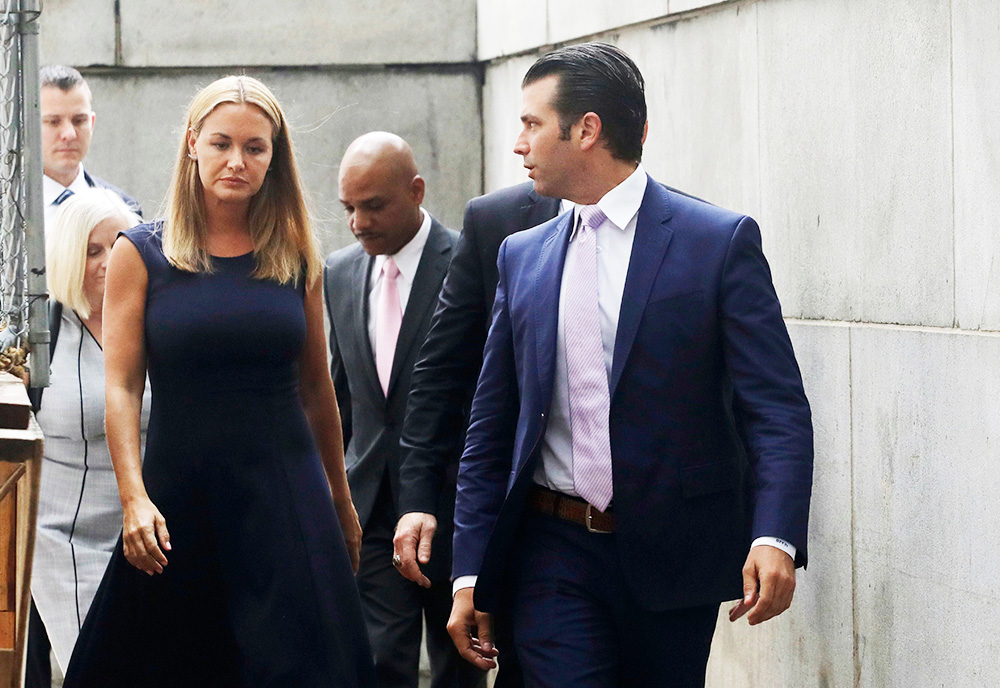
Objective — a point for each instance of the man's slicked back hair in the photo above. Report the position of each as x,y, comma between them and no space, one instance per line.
598,78
60,76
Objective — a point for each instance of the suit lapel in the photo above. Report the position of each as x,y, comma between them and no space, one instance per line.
433,264
548,281
360,280
652,235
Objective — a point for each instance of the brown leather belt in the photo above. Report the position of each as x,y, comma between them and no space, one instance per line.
573,509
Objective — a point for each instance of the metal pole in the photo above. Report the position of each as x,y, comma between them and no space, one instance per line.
34,212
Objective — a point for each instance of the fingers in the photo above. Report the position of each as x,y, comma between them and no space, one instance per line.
139,540
414,533
354,551
749,590
484,627
768,585
776,589
465,626
351,527
162,534
424,546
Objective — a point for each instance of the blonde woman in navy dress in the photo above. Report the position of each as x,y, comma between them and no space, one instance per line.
79,514
233,568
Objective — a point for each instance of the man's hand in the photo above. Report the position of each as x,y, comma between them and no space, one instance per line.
412,543
472,631
768,585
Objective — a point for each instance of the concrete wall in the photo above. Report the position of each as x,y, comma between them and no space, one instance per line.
862,135
340,68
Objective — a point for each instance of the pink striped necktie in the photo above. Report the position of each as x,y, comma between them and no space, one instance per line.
589,396
387,322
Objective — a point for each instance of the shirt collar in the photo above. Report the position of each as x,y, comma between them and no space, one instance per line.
51,188
407,258
622,203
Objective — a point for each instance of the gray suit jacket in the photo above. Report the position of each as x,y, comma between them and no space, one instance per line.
372,421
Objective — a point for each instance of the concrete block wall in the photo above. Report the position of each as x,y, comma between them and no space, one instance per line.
862,135
339,67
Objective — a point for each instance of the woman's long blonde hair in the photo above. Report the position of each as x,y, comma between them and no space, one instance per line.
283,237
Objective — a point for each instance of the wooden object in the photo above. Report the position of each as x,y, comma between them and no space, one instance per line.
15,410
20,470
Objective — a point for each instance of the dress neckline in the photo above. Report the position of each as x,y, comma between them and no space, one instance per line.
242,255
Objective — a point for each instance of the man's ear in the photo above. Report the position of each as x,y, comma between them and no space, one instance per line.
417,189
590,130
645,131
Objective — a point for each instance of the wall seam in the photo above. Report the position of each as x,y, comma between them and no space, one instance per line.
855,636
760,171
954,222
119,55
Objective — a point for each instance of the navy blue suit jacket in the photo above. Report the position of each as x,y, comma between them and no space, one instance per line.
711,435
100,183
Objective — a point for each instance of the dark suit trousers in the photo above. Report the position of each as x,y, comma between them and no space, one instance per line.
576,623
396,610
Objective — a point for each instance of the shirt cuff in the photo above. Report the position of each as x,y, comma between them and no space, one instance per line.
786,547
463,582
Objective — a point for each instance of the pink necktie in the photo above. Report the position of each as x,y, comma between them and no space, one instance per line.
589,397
387,322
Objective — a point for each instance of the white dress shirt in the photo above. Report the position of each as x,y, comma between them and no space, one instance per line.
407,260
51,190
614,250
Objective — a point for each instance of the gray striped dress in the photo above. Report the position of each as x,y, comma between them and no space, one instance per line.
79,513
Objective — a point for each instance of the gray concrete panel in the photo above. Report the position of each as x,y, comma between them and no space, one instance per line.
925,421
811,644
856,158
572,19
501,122
77,32
976,53
701,94
438,113
297,32
510,26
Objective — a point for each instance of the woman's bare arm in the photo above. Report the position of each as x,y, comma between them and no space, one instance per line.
320,403
125,380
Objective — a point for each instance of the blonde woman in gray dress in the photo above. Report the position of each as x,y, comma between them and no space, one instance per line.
79,514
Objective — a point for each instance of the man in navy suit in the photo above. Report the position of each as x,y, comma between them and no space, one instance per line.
640,446
67,126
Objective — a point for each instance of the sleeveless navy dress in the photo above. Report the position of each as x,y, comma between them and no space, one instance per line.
259,589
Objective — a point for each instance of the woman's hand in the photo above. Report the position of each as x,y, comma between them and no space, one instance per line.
142,526
351,526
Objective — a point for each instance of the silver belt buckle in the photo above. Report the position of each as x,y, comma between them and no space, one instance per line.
589,522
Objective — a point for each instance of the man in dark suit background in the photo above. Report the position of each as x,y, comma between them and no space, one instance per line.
444,380
380,295
640,447
67,126
447,368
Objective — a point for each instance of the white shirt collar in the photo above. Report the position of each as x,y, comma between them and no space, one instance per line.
407,258
51,188
622,203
